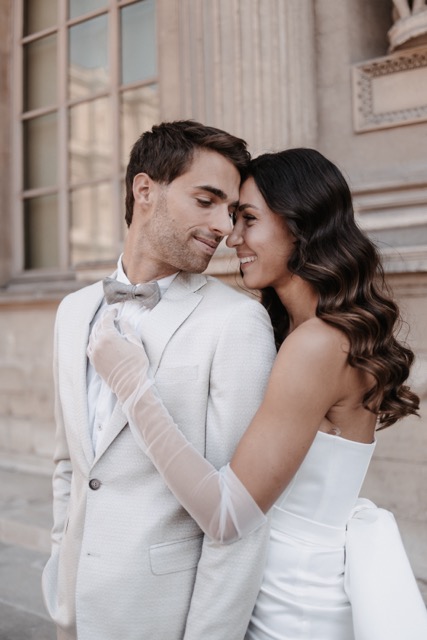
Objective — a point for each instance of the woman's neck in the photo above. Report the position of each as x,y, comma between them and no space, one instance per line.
300,301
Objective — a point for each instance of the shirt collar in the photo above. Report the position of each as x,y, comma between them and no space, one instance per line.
164,283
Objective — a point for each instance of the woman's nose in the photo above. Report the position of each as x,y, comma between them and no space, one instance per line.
234,238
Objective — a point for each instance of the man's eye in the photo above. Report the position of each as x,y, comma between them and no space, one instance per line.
204,203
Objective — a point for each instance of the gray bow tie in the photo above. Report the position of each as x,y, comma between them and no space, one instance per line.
147,294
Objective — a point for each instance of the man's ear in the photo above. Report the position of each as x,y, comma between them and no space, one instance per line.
143,187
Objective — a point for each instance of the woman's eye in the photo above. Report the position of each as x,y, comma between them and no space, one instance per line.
248,217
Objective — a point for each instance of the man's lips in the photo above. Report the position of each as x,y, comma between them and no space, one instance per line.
207,244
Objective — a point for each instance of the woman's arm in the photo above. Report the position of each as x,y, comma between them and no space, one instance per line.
231,502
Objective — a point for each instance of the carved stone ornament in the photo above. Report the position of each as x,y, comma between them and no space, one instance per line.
390,91
410,24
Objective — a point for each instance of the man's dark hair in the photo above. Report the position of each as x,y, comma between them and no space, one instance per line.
167,151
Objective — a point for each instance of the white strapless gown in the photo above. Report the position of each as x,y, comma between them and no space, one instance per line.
302,596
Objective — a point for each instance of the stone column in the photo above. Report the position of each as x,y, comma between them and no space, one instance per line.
247,66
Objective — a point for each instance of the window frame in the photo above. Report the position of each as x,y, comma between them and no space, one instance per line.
63,188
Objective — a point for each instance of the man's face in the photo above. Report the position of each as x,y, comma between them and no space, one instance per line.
191,215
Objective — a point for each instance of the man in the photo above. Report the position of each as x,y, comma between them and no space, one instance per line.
127,561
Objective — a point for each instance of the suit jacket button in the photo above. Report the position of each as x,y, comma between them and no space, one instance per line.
94,484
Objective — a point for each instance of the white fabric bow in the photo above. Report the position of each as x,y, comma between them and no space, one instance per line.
385,599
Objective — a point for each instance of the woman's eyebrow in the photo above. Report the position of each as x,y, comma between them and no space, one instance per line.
247,205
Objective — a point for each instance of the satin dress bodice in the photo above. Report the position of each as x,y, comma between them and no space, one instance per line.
302,595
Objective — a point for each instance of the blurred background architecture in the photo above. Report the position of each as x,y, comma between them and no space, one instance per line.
81,79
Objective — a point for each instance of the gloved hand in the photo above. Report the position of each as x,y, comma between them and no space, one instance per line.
119,357
217,500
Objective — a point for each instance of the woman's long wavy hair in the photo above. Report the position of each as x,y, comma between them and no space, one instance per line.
343,266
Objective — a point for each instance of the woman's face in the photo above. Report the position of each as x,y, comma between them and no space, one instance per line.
262,241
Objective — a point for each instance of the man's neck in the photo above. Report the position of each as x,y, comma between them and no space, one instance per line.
144,271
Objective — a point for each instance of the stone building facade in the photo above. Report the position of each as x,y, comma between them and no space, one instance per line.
348,78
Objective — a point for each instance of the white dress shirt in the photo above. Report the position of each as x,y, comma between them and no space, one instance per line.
101,400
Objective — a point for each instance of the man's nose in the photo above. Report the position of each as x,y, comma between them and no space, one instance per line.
221,223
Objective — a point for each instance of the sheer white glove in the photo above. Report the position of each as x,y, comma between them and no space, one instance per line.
217,500
114,356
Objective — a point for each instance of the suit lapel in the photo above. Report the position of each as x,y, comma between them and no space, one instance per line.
177,304
158,327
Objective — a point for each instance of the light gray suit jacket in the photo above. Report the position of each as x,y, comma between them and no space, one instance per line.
127,560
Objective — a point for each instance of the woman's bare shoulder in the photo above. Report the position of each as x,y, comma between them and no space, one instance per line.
318,333
314,340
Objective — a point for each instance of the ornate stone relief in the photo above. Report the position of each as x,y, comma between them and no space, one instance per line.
390,91
410,24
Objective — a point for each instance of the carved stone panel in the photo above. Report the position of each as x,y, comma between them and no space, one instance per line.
390,91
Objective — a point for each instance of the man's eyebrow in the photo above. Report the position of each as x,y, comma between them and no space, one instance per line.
214,190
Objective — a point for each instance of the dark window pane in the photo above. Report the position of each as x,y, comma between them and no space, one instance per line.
40,152
139,110
40,73
88,46
90,145
93,229
138,27
79,7
39,15
41,232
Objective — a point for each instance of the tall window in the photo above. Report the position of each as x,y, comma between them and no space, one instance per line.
89,89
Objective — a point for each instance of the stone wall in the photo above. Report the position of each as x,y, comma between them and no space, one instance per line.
26,386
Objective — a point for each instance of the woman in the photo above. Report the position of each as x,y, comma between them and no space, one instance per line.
340,373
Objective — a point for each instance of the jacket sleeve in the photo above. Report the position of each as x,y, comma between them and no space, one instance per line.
63,472
61,484
229,576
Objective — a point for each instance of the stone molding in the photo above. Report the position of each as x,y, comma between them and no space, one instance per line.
405,260
395,213
390,91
